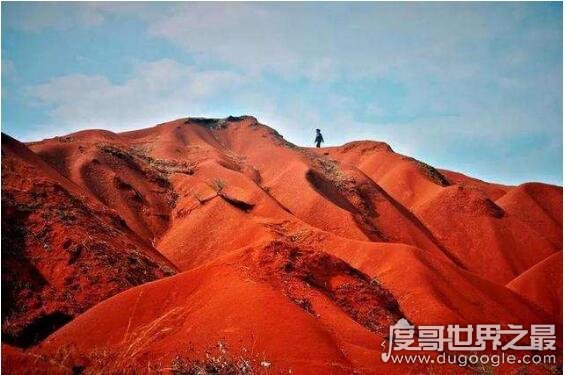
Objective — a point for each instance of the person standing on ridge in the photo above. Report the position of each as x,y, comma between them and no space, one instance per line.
319,139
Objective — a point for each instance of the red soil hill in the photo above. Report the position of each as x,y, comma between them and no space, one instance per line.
293,258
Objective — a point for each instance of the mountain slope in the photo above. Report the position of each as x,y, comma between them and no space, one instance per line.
62,251
330,310
277,244
481,225
543,285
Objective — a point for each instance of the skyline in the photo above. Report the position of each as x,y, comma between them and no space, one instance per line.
473,87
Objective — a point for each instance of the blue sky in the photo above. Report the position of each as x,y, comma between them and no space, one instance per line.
473,87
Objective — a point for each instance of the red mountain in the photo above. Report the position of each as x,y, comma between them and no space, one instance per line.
287,258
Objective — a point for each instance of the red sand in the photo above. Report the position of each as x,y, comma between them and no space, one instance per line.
295,257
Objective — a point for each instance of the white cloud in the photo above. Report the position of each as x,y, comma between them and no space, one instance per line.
317,40
43,15
155,91
246,35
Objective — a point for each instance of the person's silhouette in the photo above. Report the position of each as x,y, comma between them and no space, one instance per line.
319,139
